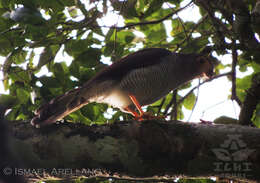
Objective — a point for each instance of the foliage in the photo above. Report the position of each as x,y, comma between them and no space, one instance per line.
34,35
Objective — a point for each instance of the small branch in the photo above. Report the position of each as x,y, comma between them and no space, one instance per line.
221,29
184,29
191,31
196,100
153,21
216,22
9,61
11,29
161,105
114,49
233,75
82,8
174,112
170,103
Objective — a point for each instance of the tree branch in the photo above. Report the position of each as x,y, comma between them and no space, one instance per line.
233,76
134,149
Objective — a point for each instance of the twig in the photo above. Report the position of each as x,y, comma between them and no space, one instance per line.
153,21
8,61
114,49
9,30
170,104
191,31
215,21
174,111
180,20
233,75
82,8
196,100
194,88
161,105
212,106
184,29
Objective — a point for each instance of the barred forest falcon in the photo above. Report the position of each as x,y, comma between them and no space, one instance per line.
138,79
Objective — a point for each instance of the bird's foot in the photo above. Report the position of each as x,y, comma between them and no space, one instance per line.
148,116
206,122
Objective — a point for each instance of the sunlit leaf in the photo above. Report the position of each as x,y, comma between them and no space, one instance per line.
189,102
22,95
8,101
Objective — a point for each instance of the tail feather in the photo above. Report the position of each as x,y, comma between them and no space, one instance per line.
59,107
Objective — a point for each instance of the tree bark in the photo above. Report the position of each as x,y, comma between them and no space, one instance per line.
134,149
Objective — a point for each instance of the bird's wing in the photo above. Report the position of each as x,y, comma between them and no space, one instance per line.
142,58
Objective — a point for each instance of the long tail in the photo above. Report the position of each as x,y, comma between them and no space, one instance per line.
59,107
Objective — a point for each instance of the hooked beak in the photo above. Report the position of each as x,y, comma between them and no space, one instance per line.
208,75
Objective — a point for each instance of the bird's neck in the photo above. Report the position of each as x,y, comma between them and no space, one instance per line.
182,68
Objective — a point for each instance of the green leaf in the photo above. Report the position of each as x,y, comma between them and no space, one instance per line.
129,10
256,116
176,27
89,58
77,116
195,45
242,85
86,73
60,70
154,6
18,74
22,95
47,55
74,69
8,101
122,37
49,82
19,57
76,47
189,102
73,12
255,66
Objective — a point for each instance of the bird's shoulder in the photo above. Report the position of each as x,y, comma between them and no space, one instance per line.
143,58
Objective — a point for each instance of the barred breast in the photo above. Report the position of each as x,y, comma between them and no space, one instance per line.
148,84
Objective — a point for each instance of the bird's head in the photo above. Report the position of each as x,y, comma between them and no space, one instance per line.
205,65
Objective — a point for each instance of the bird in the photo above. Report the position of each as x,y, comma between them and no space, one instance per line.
136,80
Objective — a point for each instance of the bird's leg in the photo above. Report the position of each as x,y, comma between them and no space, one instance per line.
136,103
137,116
134,113
143,115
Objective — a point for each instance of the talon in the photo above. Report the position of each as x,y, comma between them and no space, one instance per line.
143,115
146,116
206,122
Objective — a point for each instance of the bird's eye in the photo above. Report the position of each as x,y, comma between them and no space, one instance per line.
201,60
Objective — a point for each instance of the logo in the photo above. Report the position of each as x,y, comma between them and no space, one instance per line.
233,156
